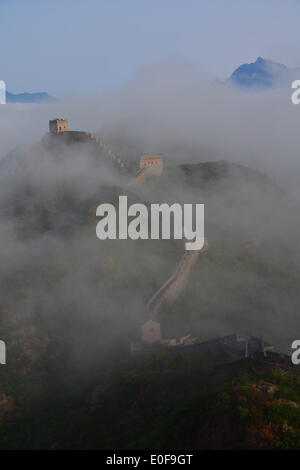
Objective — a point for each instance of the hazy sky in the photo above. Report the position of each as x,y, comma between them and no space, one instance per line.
97,45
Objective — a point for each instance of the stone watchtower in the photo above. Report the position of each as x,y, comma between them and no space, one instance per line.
58,125
151,160
151,332
152,164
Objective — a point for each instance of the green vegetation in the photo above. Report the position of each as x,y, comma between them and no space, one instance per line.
159,401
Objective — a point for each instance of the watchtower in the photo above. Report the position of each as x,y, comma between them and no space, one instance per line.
58,125
151,160
151,332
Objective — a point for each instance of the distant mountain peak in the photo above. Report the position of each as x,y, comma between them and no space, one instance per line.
260,74
37,98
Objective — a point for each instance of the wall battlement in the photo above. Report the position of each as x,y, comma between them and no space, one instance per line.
60,128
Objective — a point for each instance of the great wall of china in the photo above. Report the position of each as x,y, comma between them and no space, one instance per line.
60,128
168,293
151,165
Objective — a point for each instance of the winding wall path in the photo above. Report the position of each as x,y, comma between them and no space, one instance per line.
172,288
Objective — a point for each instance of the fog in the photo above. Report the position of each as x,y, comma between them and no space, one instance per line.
174,108
90,296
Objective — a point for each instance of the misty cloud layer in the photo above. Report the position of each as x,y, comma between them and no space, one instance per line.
175,109
91,295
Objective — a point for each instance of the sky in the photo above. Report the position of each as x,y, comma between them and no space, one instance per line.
95,46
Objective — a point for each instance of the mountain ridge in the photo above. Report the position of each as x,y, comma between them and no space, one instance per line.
34,98
260,75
